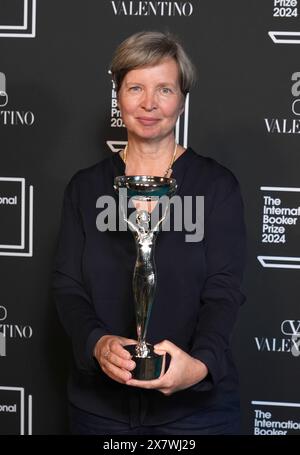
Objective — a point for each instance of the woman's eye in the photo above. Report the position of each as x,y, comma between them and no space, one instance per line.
135,88
166,90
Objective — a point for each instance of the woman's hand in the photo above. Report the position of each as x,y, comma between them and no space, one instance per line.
113,359
183,372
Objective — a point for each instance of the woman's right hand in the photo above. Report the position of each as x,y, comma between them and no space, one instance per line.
113,359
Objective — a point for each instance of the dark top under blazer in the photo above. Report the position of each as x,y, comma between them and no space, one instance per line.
197,297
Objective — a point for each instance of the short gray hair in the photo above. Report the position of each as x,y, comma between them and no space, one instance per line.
148,49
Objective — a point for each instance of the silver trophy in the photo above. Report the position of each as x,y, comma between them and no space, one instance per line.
144,189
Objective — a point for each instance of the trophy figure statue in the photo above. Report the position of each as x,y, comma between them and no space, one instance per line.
144,190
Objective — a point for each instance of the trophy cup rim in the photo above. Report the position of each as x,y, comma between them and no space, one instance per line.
147,185
156,180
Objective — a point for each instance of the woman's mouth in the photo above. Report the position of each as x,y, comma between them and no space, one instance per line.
148,121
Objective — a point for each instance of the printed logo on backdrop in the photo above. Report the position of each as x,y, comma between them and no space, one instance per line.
118,128
271,418
153,8
16,214
11,332
286,13
279,242
287,342
291,123
12,117
15,411
17,18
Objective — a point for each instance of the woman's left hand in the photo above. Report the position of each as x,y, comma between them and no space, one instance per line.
183,372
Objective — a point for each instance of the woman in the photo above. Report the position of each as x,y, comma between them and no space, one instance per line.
198,291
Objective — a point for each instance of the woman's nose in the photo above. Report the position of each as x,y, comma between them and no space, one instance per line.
149,100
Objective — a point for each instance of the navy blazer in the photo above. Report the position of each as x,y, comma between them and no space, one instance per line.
196,302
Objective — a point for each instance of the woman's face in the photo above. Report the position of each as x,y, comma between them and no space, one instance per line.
150,101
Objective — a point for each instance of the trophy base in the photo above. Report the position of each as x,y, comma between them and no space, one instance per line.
147,368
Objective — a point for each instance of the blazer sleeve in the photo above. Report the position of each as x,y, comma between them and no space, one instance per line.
221,297
73,302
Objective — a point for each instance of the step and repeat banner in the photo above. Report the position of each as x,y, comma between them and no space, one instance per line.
58,114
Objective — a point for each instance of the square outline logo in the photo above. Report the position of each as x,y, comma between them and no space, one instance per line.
30,234
22,405
28,28
22,182
284,37
21,390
